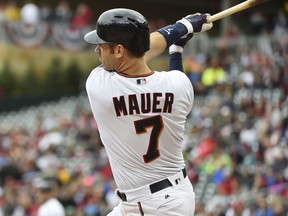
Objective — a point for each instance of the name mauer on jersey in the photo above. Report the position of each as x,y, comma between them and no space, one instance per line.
143,103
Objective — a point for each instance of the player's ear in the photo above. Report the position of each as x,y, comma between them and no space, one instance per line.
119,50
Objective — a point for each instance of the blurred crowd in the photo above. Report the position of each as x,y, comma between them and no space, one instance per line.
237,136
63,12
236,140
66,149
63,25
34,24
34,13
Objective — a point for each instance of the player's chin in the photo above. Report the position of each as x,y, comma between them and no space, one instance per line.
107,68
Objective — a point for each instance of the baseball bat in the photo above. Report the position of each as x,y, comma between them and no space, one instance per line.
237,8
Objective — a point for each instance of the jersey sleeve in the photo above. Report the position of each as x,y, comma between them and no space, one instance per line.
188,93
184,89
92,76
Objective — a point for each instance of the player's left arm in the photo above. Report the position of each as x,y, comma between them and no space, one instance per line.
158,45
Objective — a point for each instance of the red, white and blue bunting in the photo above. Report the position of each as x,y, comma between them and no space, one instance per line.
68,37
27,35
65,36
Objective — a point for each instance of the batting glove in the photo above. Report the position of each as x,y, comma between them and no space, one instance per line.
178,46
196,22
190,24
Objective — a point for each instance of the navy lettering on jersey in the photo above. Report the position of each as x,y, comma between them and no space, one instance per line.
146,103
120,106
133,105
169,98
143,103
156,102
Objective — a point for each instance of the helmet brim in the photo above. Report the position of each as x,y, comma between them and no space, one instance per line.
93,38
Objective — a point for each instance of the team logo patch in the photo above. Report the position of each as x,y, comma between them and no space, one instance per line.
141,81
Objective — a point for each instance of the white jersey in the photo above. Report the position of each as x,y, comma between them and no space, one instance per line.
51,207
141,122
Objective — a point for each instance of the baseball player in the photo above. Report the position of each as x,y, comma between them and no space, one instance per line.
47,195
141,113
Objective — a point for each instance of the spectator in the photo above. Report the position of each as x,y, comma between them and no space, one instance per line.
237,208
82,16
47,193
214,74
63,12
30,13
196,65
277,203
12,11
23,205
46,12
219,161
263,207
246,178
264,43
280,24
246,78
233,37
218,204
284,84
199,44
2,12
257,22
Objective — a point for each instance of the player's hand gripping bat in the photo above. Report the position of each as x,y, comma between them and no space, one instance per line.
237,8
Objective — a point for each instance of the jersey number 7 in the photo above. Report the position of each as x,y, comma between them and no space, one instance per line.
156,122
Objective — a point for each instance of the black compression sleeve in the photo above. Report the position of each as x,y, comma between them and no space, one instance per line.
175,62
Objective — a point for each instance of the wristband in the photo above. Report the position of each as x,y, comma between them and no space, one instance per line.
173,33
175,49
187,24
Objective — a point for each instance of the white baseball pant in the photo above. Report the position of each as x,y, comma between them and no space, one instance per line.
177,200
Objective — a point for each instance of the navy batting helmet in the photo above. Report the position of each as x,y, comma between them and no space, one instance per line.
122,26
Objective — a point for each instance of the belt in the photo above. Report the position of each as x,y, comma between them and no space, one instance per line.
155,187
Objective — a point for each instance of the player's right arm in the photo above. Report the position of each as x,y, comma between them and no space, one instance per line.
163,38
175,53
